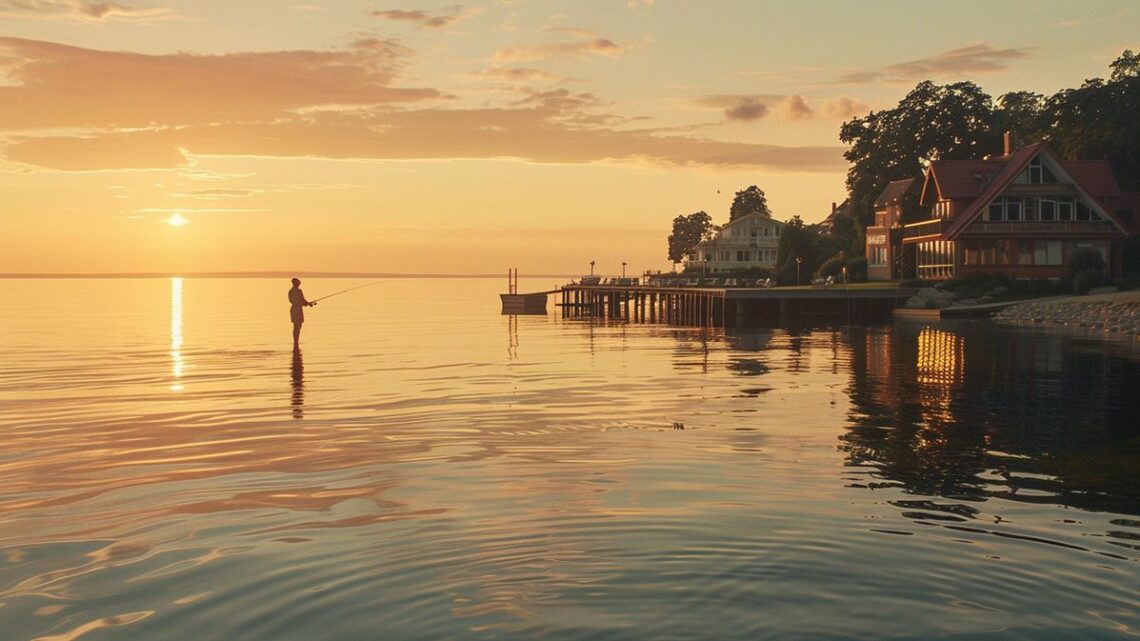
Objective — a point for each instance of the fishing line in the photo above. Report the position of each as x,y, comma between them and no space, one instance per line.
345,291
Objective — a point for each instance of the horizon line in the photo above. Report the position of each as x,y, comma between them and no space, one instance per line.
253,274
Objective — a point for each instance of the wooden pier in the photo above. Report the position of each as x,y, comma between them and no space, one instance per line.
731,306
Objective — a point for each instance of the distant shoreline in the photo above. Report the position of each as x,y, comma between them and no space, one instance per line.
275,274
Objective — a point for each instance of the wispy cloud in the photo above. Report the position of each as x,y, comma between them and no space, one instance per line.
216,194
980,57
520,75
132,111
81,10
587,43
429,18
123,89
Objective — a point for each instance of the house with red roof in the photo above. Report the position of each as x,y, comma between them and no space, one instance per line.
1023,213
884,237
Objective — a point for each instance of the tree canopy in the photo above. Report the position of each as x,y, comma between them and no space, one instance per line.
933,121
747,201
960,121
688,231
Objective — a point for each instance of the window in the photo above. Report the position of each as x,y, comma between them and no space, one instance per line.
1025,252
741,256
1065,209
1033,172
1012,209
777,231
1047,252
1047,209
996,212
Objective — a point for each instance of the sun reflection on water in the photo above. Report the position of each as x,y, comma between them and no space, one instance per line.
177,363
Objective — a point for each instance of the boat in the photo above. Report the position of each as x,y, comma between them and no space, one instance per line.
516,303
534,303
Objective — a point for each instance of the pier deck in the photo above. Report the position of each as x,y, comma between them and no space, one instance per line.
731,306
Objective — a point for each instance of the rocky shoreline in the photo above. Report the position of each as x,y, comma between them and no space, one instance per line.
1108,314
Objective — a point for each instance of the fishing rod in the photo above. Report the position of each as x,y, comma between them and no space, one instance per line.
345,291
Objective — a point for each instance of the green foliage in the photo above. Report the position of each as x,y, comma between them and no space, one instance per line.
857,270
805,243
747,201
831,267
1130,254
932,121
1098,120
1084,280
1086,258
688,231
1086,269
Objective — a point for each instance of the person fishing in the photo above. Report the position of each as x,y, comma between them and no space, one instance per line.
297,305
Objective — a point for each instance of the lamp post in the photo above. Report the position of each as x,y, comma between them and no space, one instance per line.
591,268
704,266
623,269
798,261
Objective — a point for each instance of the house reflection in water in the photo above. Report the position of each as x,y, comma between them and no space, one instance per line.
1038,418
940,365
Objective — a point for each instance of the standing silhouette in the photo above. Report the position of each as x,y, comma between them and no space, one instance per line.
297,305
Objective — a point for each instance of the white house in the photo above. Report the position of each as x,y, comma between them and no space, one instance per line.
748,242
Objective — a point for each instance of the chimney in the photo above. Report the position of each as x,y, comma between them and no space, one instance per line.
833,208
1009,141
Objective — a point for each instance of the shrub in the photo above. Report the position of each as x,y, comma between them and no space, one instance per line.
1086,258
831,267
857,270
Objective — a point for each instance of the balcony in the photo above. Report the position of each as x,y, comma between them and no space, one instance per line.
923,229
1037,228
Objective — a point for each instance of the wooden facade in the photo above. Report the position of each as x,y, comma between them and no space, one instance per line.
1024,213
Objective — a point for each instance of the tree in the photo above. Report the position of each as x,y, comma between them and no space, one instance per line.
1098,120
688,231
801,241
954,121
748,201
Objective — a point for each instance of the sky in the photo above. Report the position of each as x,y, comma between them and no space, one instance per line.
179,136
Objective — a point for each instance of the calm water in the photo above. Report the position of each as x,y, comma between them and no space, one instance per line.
429,469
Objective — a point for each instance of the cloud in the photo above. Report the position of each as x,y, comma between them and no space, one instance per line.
217,194
844,107
429,19
80,10
77,109
795,108
520,74
588,43
981,57
123,89
746,109
541,133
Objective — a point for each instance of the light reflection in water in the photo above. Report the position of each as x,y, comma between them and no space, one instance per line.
940,370
176,361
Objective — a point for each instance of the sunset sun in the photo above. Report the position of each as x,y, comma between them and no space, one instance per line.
176,220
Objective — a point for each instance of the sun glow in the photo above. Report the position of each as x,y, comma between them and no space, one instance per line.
176,220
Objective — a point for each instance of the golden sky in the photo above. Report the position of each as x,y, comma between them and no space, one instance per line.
416,138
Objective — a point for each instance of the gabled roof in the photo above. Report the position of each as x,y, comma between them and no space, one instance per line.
1090,177
958,179
893,192
754,214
